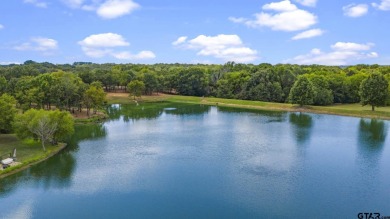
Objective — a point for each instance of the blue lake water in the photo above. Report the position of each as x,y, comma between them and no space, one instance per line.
192,161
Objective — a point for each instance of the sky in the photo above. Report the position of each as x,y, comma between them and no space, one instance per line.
327,32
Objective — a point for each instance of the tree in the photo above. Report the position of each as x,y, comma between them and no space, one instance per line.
3,84
374,91
192,82
323,95
354,82
135,88
68,89
150,80
302,92
264,86
65,124
23,92
43,128
47,126
7,112
94,97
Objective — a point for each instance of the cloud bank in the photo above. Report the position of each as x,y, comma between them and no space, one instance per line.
225,47
106,44
108,9
280,16
343,53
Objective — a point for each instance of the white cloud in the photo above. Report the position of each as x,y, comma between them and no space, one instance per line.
139,56
287,17
342,53
280,6
41,44
105,44
225,47
1,26
353,10
384,5
346,46
308,34
104,40
36,3
108,9
309,3
116,8
180,40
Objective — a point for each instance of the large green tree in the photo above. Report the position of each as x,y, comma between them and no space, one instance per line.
323,95
302,92
94,97
374,90
68,89
47,126
135,88
7,112
192,82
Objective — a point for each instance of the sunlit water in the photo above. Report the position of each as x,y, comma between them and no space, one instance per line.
192,161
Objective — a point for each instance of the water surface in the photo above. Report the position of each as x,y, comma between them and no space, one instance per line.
192,161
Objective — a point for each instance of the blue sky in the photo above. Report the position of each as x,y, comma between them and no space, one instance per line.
342,32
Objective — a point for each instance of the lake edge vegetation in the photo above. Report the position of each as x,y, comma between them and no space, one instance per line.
34,92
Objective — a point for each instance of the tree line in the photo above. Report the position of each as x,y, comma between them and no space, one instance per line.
263,82
71,87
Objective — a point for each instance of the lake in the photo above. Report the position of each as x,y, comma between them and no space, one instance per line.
192,161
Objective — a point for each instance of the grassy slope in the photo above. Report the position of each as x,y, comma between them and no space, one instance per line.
27,151
338,109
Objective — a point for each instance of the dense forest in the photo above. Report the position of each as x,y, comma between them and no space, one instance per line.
45,84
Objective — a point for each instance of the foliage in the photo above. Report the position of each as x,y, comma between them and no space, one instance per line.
374,90
47,126
192,82
302,92
43,85
7,112
264,86
135,88
94,97
3,84
323,95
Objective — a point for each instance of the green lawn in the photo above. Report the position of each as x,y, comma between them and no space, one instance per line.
27,151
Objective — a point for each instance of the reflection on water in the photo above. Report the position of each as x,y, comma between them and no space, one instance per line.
153,111
303,125
56,172
372,134
171,160
86,132
371,141
272,116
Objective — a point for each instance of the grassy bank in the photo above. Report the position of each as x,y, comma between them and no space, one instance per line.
28,152
338,109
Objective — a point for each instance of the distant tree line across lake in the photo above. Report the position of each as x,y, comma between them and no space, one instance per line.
79,85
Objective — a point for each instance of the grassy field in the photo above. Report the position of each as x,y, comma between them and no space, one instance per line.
27,151
338,109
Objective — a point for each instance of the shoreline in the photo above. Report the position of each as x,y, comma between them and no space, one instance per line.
300,110
21,167
350,110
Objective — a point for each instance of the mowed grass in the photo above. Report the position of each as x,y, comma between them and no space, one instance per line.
27,151
337,109
355,110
